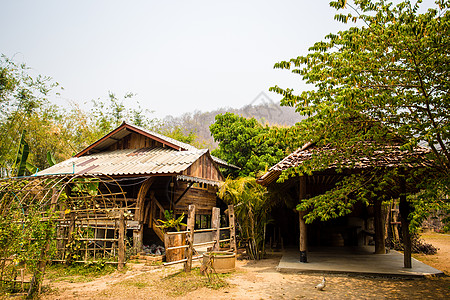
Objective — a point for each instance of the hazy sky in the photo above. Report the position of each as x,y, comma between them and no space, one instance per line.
177,56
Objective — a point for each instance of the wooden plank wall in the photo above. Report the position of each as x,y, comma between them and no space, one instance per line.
204,168
135,141
204,199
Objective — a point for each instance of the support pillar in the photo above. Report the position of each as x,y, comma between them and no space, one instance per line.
405,209
378,220
303,242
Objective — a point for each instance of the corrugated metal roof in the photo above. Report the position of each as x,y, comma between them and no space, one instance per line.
201,180
125,129
128,162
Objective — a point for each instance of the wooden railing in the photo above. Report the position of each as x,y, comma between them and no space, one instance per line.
215,242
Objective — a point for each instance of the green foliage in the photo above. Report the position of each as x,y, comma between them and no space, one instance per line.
248,144
394,70
179,134
23,106
109,114
171,222
386,77
251,208
26,234
83,186
73,272
50,159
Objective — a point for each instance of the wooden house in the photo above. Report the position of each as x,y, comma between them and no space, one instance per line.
154,172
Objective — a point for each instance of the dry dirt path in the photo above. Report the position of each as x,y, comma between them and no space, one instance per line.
260,280
441,260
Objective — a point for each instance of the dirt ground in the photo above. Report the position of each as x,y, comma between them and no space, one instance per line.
260,280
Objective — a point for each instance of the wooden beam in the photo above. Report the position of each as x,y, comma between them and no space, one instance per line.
184,193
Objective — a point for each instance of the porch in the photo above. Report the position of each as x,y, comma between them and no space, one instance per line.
354,261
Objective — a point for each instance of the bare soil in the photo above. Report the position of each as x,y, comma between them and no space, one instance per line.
259,280
441,260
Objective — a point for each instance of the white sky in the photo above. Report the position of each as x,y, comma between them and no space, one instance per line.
177,56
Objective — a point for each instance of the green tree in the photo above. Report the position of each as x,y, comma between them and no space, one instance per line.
110,113
387,75
248,144
24,106
252,210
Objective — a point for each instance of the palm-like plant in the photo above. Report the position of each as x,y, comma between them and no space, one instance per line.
252,209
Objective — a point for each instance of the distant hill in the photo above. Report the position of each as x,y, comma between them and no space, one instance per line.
198,122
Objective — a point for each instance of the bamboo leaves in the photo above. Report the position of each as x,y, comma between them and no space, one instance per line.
252,209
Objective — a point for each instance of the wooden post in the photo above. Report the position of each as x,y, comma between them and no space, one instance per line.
215,222
303,240
190,238
121,241
404,213
380,245
232,221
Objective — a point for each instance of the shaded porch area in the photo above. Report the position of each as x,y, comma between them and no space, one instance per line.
353,260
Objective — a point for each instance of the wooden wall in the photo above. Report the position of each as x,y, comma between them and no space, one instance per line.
135,141
204,199
204,168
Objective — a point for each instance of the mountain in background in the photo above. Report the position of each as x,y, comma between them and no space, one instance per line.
198,122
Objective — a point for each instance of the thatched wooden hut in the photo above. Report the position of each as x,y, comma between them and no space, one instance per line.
354,228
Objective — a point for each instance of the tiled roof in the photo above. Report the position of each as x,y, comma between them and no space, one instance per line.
128,162
385,156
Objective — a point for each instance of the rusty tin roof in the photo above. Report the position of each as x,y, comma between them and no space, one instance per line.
143,161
